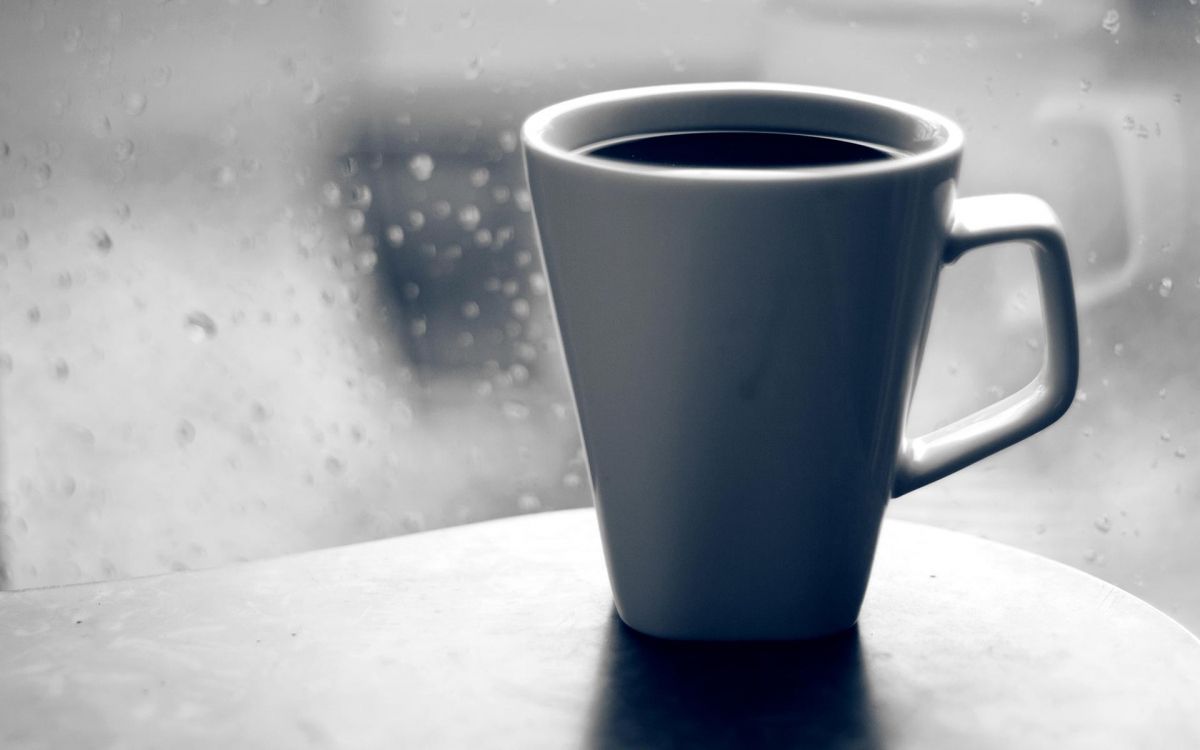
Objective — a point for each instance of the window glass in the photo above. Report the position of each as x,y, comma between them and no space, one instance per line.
269,281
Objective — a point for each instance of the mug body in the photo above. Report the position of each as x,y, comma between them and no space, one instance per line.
742,345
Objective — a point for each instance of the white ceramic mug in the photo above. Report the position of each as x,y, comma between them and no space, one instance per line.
743,345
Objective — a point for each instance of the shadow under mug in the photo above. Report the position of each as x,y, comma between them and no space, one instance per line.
743,345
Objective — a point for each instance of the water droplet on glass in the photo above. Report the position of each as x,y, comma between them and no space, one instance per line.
200,326
101,126
1165,436
1181,452
311,92
1026,16
470,310
1085,85
21,240
523,200
359,196
520,309
509,288
418,327
571,479
185,432
410,290
420,166
60,369
523,258
134,102
100,239
331,194
1111,21
366,261
416,220
441,209
529,503
395,235
225,177
466,339
71,38
160,76
508,141
34,314
1103,524
355,221
474,68
42,174
1164,287
468,217
479,177
123,150
1119,349
334,465
501,194
483,238
514,410
6,363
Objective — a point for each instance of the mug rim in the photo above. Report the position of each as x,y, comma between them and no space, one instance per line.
537,133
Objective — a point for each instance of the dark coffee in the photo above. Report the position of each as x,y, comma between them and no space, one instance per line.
739,149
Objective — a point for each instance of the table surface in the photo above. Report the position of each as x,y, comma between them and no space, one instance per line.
502,634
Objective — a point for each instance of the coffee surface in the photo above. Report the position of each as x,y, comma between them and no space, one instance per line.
739,149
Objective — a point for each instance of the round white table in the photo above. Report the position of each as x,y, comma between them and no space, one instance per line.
502,634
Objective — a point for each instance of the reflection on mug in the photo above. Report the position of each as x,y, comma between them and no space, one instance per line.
656,693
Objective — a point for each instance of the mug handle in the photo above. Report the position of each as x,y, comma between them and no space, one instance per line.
988,220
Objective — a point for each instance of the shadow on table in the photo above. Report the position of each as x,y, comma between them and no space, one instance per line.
656,693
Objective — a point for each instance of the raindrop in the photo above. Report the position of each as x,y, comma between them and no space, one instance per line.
122,211
34,314
22,239
479,177
64,280
1164,287
466,18
123,150
259,412
501,194
508,141
523,258
1111,21
441,209
537,283
185,433
100,239
1103,524
331,194
134,102
1026,16
61,369
6,363
468,217
420,166
1085,85
355,221
334,465
509,288
399,16
520,308
470,310
71,39
483,237
416,219
571,479
529,503
200,326
226,176
395,235
1181,452
418,327
474,68
410,290
1165,436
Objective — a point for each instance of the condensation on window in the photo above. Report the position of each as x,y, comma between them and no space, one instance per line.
269,281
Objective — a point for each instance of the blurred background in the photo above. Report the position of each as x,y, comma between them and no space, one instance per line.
269,281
